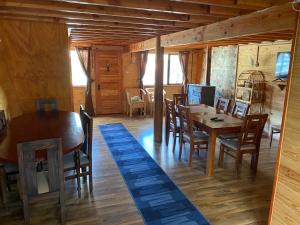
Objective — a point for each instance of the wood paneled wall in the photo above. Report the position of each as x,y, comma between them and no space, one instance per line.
274,96
34,62
78,97
286,207
131,69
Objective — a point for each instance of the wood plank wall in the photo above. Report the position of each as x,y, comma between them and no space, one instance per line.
274,96
131,62
78,97
286,207
34,62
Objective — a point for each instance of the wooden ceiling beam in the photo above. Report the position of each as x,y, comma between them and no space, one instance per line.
112,32
109,29
127,34
159,5
273,19
87,24
238,4
150,5
94,17
93,9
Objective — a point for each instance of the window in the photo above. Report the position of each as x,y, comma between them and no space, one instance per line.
78,75
172,70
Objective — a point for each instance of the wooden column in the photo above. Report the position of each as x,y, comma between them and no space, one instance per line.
158,94
208,65
286,193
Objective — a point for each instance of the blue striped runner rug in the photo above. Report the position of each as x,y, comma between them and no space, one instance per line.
156,196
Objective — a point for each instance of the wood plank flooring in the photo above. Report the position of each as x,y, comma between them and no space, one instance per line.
223,199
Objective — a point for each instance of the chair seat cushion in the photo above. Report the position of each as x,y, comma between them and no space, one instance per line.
135,99
69,162
233,144
198,136
42,182
229,136
84,160
10,168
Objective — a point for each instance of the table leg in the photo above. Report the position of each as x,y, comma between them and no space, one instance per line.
211,153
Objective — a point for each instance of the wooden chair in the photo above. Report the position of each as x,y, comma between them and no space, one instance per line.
44,104
150,98
223,105
247,143
180,99
135,100
275,129
7,170
85,153
80,161
239,110
172,122
187,134
39,186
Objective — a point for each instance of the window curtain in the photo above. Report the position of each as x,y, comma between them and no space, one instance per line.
184,61
143,64
84,55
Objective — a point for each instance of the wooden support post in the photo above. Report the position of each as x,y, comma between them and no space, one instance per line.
158,94
208,65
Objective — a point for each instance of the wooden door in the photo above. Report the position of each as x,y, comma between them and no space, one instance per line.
108,81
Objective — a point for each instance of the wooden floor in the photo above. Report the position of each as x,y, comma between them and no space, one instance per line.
223,199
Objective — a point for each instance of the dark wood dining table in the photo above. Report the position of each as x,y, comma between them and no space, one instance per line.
41,125
201,116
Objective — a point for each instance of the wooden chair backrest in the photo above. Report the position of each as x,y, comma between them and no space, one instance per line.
180,99
252,129
27,152
87,126
43,103
170,111
150,94
3,122
130,92
185,120
223,105
240,109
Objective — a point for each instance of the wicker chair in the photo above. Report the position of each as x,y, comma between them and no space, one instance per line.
135,100
150,98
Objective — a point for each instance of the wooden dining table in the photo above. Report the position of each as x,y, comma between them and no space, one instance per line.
41,125
201,116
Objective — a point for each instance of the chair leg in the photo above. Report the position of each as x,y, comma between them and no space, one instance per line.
174,140
221,156
90,179
254,161
26,210
77,165
180,147
167,136
272,132
238,163
3,186
130,112
191,153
